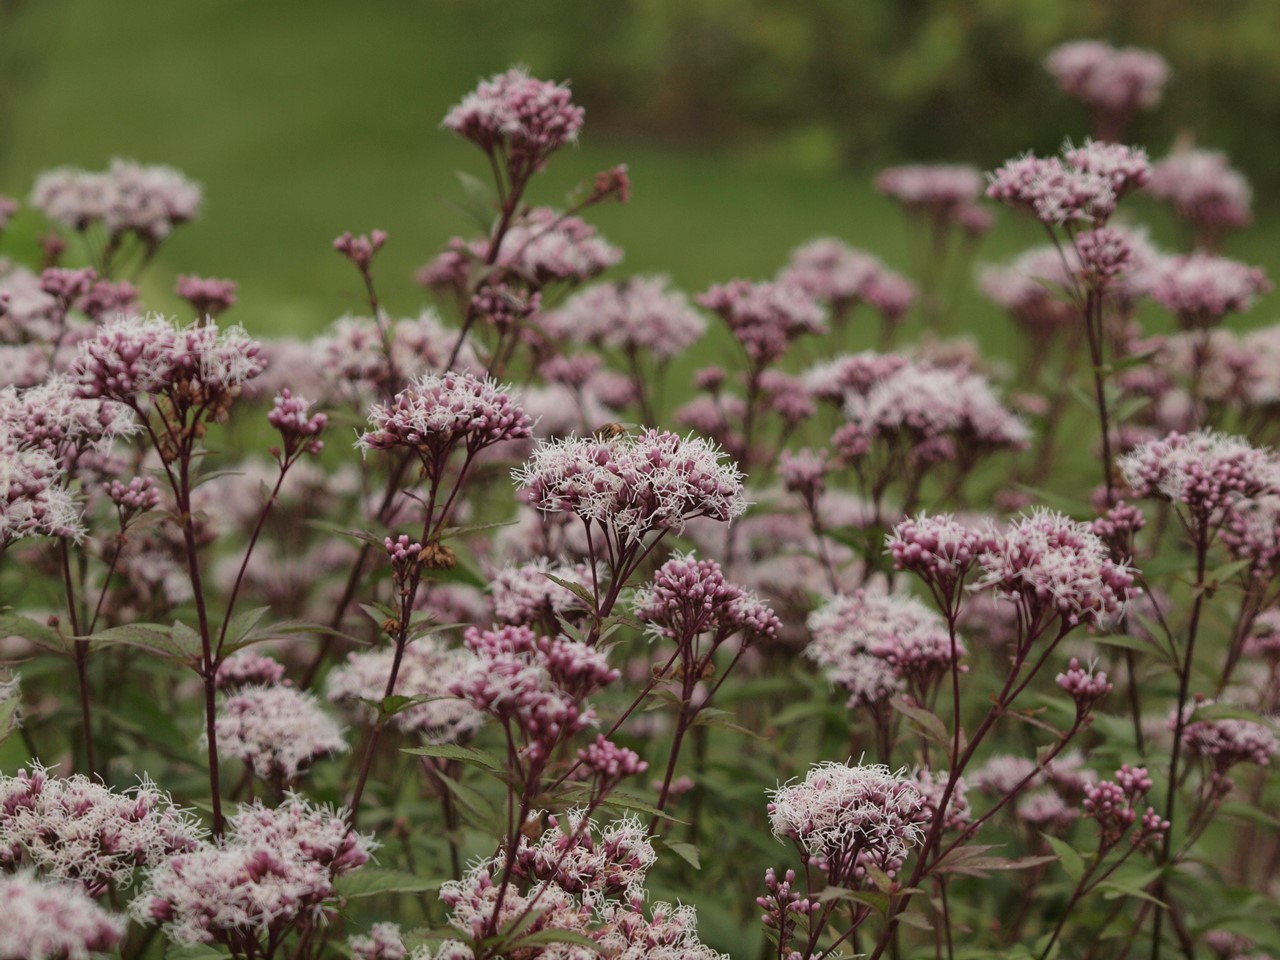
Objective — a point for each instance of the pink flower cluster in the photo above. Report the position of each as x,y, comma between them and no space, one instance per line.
208,296
1084,685
521,118
927,414
1204,190
427,668
198,366
764,317
436,415
939,549
533,684
640,316
849,816
81,832
298,426
1052,567
634,485
127,197
1113,804
1113,83
582,879
1083,187
945,193
33,500
1200,289
272,872
353,358
1207,473
841,278
873,644
277,730
50,921
688,597
526,594
50,417
1226,741
542,245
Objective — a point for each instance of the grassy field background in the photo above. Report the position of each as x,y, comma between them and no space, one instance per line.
304,120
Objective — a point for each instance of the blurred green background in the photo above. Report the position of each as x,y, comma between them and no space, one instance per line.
749,125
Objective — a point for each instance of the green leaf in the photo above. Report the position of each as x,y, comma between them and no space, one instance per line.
483,813
685,851
879,902
923,721
1117,890
451,751
577,589
1072,862
914,918
16,625
478,199
242,624
541,937
151,637
186,639
1126,642
195,951
370,881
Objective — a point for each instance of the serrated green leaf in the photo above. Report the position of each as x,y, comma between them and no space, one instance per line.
370,881
1072,862
483,813
452,751
241,624
147,636
925,722
577,589
16,625
914,918
540,937
685,851
478,200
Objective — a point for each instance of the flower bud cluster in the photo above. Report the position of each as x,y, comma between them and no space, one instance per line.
537,685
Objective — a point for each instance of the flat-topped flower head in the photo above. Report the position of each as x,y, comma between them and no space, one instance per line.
764,317
78,831
33,500
527,594
1205,472
1205,191
1054,193
197,366
435,415
1125,168
208,296
642,314
427,668
1114,83
1200,289
635,484
1225,741
940,190
49,416
275,868
53,921
690,596
276,730
845,815
910,639
128,197
1054,568
529,118
938,548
